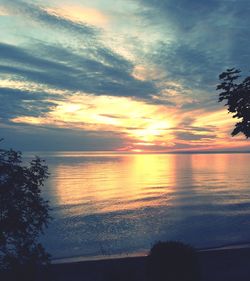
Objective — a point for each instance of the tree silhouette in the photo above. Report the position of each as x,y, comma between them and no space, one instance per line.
23,213
237,96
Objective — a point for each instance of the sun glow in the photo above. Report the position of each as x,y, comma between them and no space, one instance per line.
3,11
136,150
151,132
144,127
143,123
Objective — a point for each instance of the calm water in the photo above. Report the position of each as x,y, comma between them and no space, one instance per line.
106,204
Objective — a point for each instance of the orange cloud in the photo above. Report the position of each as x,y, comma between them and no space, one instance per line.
3,11
143,72
81,14
138,120
146,127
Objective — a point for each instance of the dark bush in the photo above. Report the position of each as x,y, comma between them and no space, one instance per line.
24,214
172,261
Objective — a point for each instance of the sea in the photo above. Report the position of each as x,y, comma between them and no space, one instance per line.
107,204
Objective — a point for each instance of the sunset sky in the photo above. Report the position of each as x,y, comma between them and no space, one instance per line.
126,75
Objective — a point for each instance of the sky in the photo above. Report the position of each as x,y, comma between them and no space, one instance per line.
122,75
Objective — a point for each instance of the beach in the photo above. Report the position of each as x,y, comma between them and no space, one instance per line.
229,264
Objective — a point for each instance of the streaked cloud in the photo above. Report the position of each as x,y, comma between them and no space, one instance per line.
79,14
137,75
50,19
16,103
104,73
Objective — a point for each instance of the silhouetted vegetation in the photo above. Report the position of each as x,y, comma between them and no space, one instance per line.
23,214
237,96
172,261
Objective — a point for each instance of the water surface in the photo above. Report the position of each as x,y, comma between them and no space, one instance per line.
107,203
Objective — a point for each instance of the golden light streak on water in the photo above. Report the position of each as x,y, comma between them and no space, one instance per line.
132,182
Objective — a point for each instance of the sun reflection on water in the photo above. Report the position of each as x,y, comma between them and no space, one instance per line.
114,183
119,183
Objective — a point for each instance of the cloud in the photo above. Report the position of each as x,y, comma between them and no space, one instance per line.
42,138
194,137
185,14
18,56
113,116
149,75
185,64
16,102
53,20
78,13
103,73
206,37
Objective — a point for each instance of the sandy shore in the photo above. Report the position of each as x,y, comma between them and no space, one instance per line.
229,264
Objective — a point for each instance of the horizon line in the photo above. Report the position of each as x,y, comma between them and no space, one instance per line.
146,152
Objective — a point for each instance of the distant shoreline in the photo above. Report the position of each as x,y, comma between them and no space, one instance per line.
132,153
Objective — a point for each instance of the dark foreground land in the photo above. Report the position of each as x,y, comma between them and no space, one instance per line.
216,265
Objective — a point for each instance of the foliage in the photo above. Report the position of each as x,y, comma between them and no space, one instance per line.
237,96
24,214
172,261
